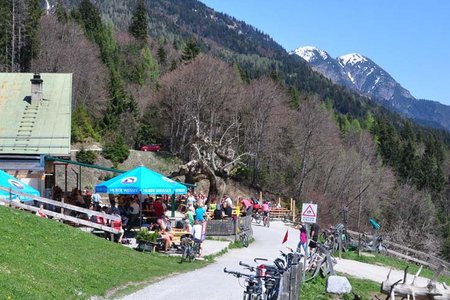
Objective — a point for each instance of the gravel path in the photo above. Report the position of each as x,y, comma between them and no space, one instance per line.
212,283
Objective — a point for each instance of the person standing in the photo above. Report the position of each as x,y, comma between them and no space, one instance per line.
303,243
314,236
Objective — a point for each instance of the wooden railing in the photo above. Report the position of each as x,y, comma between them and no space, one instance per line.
228,226
412,255
62,216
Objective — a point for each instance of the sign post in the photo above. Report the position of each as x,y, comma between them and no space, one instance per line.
309,213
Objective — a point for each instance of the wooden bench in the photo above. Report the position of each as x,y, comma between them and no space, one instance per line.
177,234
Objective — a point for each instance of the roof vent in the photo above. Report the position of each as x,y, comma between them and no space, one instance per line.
36,88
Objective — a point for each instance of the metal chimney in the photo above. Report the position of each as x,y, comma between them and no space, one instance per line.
36,88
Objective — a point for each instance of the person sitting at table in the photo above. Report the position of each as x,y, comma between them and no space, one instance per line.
219,213
134,213
164,230
118,225
212,205
158,208
228,211
41,213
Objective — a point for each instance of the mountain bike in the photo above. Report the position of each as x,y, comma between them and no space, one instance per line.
253,286
372,244
268,276
266,220
190,248
243,237
256,216
320,262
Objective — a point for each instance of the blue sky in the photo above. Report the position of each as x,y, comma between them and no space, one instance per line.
410,39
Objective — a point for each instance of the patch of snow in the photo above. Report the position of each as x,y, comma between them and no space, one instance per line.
47,6
309,53
377,80
351,77
352,59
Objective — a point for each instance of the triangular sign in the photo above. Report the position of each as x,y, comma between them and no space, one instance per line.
309,212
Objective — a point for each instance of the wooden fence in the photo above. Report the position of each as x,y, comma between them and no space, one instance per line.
64,207
412,255
229,226
291,282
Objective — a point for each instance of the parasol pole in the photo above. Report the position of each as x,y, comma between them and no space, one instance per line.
172,206
140,210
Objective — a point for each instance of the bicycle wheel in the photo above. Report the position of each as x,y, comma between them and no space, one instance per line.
382,249
244,240
257,218
184,255
189,252
251,296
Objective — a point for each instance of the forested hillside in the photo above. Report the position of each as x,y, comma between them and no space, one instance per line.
234,105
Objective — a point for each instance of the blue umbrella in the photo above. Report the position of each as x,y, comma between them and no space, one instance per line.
10,182
141,180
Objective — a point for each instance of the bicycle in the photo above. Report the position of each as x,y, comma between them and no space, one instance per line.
266,220
372,244
256,216
190,248
271,274
320,262
243,237
253,286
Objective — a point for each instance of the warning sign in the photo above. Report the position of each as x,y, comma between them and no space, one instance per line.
309,212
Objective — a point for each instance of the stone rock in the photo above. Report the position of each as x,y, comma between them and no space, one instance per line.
338,285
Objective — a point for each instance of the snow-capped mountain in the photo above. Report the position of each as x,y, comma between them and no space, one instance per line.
355,71
361,74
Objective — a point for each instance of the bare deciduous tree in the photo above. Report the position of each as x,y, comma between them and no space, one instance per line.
65,49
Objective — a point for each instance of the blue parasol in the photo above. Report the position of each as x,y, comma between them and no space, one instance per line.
10,182
141,180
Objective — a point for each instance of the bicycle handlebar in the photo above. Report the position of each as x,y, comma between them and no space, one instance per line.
260,259
247,266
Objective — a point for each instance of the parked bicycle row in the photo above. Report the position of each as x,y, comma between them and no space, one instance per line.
263,278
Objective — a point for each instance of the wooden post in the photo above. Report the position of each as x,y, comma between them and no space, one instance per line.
260,196
112,234
293,210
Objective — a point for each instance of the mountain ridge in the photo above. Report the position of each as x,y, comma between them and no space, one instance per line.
363,75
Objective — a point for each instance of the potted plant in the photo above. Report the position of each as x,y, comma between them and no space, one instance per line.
147,240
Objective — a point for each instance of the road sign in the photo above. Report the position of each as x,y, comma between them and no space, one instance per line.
309,212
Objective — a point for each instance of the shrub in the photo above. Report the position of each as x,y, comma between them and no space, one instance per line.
86,156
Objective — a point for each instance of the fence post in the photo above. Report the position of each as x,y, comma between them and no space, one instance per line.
285,293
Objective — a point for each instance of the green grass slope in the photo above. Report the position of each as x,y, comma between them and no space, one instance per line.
43,259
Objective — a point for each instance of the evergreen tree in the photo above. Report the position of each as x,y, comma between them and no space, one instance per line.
91,19
5,35
31,44
190,51
139,21
61,12
408,166
294,97
162,55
